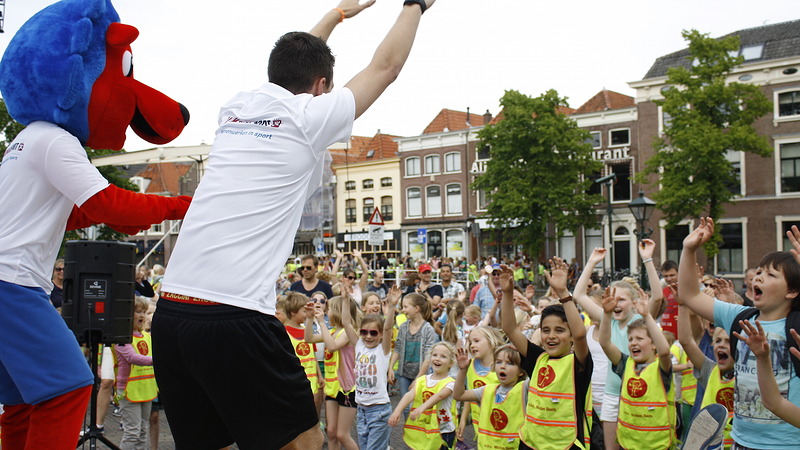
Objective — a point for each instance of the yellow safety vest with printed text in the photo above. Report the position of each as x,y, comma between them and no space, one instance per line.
720,391
305,353
646,409
423,433
141,385
332,386
500,422
475,381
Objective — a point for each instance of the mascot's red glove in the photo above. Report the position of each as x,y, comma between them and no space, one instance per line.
114,207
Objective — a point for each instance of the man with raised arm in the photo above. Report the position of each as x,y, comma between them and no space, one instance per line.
226,369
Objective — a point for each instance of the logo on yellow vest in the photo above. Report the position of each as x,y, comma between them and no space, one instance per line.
499,419
546,376
725,397
426,395
142,348
328,355
303,349
637,387
477,384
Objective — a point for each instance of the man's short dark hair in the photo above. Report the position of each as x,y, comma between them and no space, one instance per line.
669,265
311,257
297,60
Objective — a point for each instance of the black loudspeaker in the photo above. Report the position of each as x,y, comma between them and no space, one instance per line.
99,288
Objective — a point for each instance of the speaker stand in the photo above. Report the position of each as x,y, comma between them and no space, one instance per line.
93,434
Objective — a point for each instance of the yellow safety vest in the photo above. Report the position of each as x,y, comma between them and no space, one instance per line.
551,416
501,421
646,409
141,385
332,386
475,381
423,433
688,382
305,353
720,391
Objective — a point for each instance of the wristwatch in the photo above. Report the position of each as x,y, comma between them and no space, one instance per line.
565,299
421,4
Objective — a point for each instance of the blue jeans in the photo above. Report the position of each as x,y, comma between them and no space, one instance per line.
372,423
404,384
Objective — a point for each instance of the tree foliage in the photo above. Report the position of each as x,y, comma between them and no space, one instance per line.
709,118
9,128
535,174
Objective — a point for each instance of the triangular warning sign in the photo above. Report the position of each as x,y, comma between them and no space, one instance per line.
376,218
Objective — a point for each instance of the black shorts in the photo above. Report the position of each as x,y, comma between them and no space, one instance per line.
347,400
226,375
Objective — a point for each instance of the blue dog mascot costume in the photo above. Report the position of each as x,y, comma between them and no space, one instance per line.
67,75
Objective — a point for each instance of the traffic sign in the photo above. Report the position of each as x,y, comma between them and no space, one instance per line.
376,218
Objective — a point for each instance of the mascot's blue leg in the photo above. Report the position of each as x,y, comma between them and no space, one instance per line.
45,380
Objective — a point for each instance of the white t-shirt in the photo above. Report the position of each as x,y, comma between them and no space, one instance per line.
45,171
445,407
268,156
372,366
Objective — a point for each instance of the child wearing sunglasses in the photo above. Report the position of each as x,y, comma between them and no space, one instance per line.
373,351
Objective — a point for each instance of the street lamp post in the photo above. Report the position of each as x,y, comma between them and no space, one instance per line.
642,208
609,180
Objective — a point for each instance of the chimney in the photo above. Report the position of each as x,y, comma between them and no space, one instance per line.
487,117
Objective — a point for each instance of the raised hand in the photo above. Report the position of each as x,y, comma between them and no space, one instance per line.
506,279
794,237
461,296
609,300
352,7
462,358
646,249
558,278
724,290
699,235
598,254
796,337
357,253
338,253
530,292
394,294
642,304
755,339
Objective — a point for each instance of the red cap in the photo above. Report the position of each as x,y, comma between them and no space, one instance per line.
425,268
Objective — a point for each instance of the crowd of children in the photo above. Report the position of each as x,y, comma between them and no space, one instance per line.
588,369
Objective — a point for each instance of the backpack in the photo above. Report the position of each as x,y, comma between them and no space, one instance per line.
792,321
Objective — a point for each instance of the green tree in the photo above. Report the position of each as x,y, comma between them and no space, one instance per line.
708,118
9,128
536,172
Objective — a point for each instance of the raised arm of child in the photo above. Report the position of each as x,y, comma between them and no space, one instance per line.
362,282
770,395
313,310
408,397
700,303
609,303
646,250
507,318
642,305
688,321
794,237
347,319
388,324
580,294
460,392
558,281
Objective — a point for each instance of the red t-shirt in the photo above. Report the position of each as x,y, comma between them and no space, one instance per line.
669,320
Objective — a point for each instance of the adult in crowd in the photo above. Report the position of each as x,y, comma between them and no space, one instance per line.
427,288
485,297
378,286
57,294
747,289
269,155
669,319
309,283
450,288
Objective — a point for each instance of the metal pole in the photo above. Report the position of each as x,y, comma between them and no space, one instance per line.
609,212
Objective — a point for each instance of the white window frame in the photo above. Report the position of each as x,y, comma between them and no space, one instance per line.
433,170
776,107
743,221
364,186
742,178
609,171
416,161
661,123
349,183
478,205
779,229
777,159
408,202
384,185
428,212
460,200
611,145
457,156
599,140
157,228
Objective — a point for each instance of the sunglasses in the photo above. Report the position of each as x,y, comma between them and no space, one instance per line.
321,301
351,278
59,269
373,333
307,267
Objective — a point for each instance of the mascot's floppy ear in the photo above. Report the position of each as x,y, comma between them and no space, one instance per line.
117,100
51,67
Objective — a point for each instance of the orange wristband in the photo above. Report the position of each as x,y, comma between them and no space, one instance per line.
341,11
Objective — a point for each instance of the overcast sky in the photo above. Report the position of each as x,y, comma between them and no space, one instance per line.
467,52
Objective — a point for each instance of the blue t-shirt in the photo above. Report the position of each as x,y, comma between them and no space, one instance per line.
754,425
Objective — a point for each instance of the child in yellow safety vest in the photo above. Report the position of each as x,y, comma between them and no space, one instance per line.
500,403
718,377
431,423
136,382
297,309
647,400
557,411
482,342
340,380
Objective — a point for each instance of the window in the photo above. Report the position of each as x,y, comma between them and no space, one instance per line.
790,167
432,164
433,201
786,225
592,238
483,153
752,51
350,211
452,162
595,138
367,184
666,120
386,207
730,258
619,137
566,246
621,189
386,182
157,228
412,167
414,202
434,243
595,188
453,199
674,241
483,201
349,185
788,104
369,207
413,245
735,159
455,243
